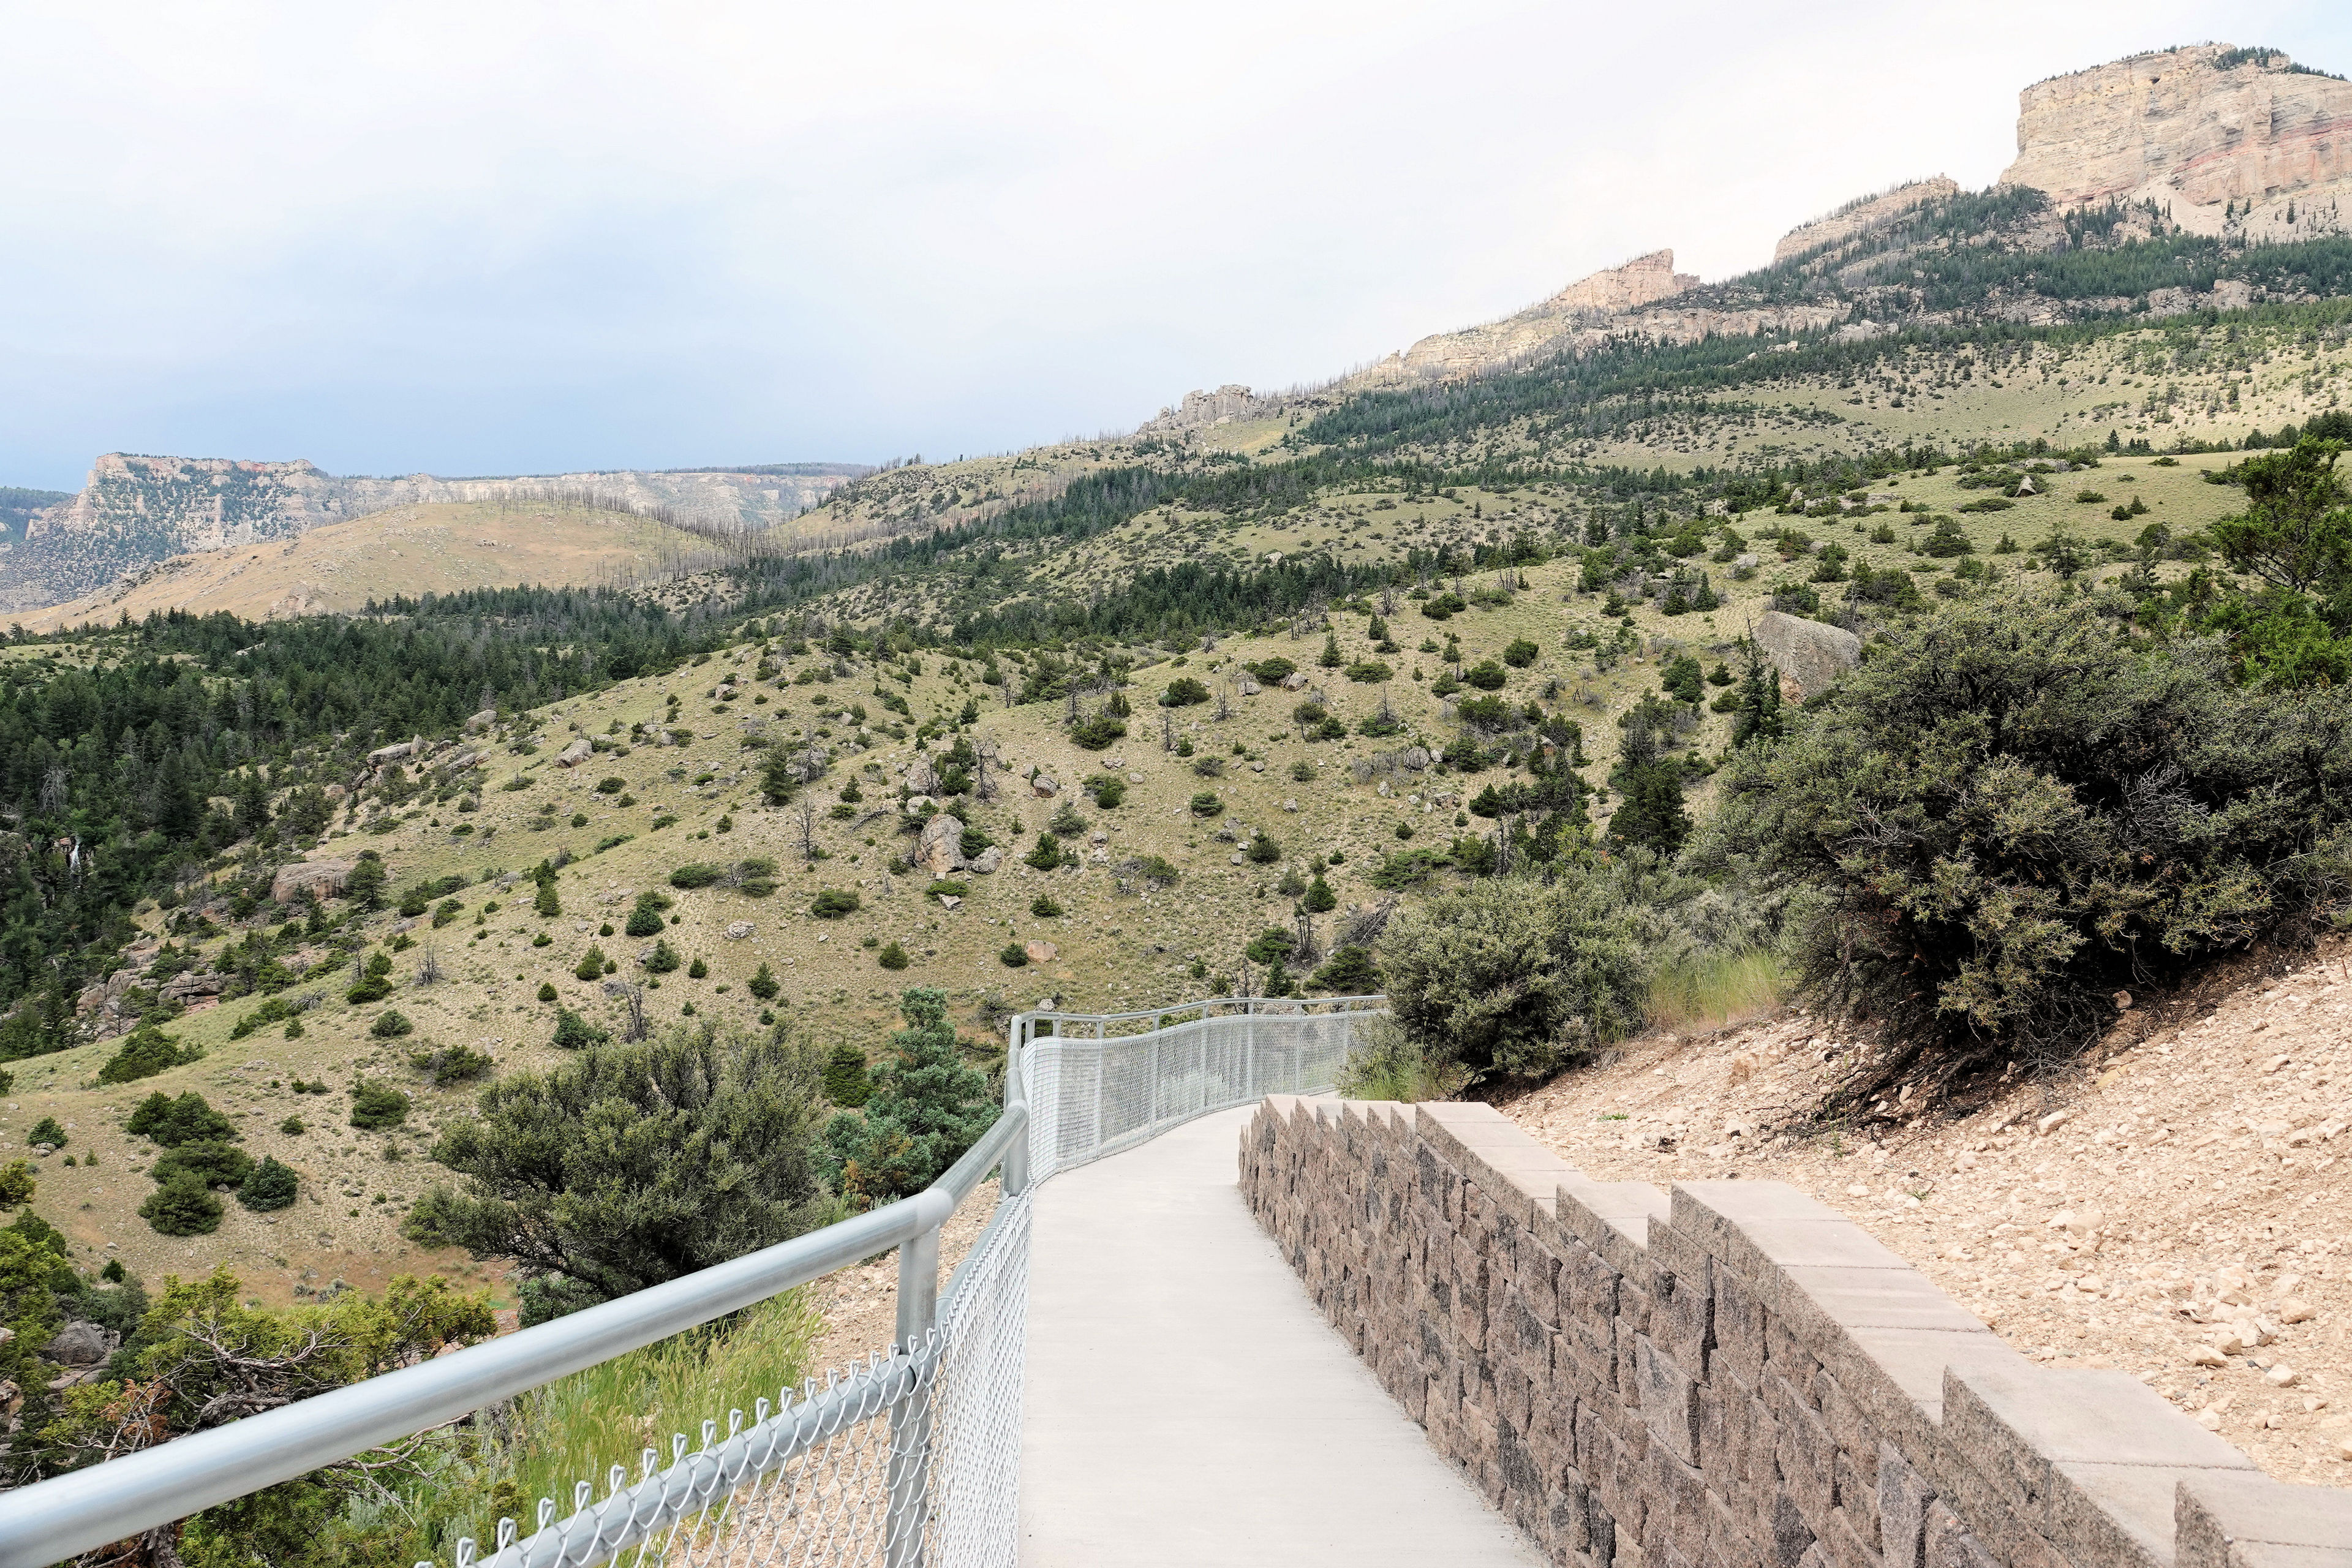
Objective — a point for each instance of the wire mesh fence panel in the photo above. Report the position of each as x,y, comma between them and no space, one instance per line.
976,1457
832,1476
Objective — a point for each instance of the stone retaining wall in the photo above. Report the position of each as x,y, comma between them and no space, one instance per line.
1733,1374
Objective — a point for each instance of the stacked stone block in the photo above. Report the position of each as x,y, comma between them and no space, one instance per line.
1732,1375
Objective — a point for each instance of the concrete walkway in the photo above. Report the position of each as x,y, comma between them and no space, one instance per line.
1187,1405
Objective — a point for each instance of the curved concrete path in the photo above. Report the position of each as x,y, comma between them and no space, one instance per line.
1187,1405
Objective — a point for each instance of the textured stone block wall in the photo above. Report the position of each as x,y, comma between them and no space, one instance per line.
1731,1375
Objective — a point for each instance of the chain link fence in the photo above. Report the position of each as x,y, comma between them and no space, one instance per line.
908,1459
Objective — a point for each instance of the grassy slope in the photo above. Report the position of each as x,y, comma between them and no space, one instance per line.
411,550
1116,949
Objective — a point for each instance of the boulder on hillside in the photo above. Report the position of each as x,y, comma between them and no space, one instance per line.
1045,786
1811,655
83,1343
1295,681
985,863
572,755
939,850
392,752
480,721
324,877
922,778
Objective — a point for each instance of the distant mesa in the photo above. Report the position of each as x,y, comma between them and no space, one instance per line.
138,510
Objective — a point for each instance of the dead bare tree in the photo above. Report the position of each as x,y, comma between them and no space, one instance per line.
804,829
636,999
428,968
1224,703
1307,949
1167,729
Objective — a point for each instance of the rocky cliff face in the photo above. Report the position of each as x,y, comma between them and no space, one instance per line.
2229,140
1859,217
138,510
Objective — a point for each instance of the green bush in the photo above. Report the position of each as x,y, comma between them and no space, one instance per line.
1043,907
646,916
662,958
1097,730
762,984
1319,897
2012,811
1045,853
546,992
391,1024
718,1159
1514,979
1262,850
832,904
1349,971
1156,870
574,1032
1520,654
145,1052
591,963
46,1131
446,1065
696,874
848,1082
927,1109
1014,956
183,1207
1207,804
1369,672
892,957
1183,692
376,1106
271,1186
216,1165
170,1123
1486,676
1271,671
1107,790
613,785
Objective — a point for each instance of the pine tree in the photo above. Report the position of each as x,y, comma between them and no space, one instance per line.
927,1109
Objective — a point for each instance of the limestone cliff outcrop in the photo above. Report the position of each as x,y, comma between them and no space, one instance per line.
2229,140
1860,217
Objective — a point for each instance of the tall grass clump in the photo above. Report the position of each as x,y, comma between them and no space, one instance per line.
1390,1065
1705,990
574,1429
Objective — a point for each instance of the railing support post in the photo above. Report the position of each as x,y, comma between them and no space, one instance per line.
1017,1092
908,1477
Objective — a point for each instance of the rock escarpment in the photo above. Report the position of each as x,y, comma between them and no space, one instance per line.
138,510
1861,216
2229,140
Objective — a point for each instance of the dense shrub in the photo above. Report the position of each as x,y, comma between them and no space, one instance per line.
635,1164
574,1032
271,1186
2010,812
391,1024
446,1065
171,1122
1183,692
216,1165
1512,978
183,1205
376,1106
696,874
927,1109
846,1081
591,963
145,1052
832,904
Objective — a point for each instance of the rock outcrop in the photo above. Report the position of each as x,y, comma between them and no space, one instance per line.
324,877
1858,217
2224,138
1811,654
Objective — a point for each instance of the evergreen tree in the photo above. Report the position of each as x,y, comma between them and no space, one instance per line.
926,1109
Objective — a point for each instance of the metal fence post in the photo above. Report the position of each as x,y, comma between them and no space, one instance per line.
908,1480
1017,1092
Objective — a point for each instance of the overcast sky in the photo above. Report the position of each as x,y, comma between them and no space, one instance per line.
496,238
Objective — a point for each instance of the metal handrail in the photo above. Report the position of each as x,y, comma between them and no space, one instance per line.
1248,1004
83,1509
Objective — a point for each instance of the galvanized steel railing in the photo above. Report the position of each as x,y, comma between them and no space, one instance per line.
910,1460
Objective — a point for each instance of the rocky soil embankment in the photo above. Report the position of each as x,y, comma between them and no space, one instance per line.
2180,1207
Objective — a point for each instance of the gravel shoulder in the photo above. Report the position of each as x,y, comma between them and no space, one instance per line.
2179,1205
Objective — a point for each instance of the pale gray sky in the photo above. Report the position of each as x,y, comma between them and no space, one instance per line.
477,238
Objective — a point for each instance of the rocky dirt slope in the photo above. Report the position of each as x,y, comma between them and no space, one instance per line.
2179,1207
